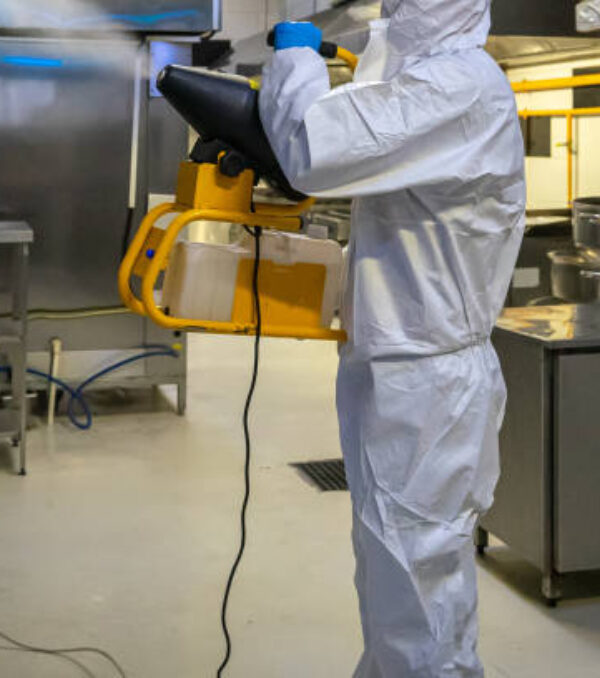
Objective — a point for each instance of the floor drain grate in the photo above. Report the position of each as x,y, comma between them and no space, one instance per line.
328,476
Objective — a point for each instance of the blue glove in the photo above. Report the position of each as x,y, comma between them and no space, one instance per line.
297,34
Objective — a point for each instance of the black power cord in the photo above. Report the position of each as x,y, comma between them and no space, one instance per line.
65,653
256,234
80,665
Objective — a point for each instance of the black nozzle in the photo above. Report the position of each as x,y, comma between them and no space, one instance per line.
224,108
328,50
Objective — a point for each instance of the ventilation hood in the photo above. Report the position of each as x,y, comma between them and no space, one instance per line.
551,34
101,16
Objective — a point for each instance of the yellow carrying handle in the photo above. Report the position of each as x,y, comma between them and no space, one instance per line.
327,51
283,220
135,251
347,56
160,260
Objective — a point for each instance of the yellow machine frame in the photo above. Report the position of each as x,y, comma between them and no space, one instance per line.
205,194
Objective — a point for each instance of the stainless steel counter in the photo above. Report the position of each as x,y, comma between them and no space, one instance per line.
548,495
555,327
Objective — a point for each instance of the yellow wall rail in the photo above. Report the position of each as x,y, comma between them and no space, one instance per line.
576,81
528,86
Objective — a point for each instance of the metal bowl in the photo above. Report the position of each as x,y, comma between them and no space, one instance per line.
586,223
570,279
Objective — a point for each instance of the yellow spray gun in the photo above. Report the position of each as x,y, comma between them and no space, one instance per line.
217,185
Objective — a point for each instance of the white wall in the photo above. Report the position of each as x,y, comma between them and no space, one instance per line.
242,18
547,177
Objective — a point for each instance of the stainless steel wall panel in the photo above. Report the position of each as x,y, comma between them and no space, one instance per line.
67,108
148,16
65,139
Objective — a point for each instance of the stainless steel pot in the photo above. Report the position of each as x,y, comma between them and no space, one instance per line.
574,275
591,283
586,222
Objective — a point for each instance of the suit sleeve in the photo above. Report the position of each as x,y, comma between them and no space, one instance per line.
370,138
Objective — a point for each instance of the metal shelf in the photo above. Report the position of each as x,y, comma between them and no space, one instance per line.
17,236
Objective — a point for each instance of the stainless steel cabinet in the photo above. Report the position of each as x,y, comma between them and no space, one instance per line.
549,491
16,239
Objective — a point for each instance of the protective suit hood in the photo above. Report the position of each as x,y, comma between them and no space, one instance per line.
427,27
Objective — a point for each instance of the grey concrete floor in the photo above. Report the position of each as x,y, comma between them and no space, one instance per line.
123,537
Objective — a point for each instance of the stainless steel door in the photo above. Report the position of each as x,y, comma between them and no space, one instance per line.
66,130
577,463
65,146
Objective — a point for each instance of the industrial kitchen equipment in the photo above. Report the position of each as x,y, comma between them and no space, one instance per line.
86,142
548,497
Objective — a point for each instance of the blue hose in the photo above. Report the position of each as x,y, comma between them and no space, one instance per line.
76,395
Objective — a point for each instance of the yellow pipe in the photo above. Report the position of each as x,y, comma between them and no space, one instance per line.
347,56
569,114
559,113
570,160
556,83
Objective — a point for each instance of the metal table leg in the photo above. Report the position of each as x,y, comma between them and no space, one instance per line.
19,378
182,397
551,588
20,307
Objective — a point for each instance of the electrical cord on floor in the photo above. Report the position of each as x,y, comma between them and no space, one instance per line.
73,313
65,654
256,234
76,396
75,662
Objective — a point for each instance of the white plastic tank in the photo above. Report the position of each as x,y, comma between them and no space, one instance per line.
201,280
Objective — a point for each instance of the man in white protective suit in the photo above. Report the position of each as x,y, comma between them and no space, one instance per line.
427,140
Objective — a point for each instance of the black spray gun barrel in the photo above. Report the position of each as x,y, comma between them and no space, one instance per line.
224,108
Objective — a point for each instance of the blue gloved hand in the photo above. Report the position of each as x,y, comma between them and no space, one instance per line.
297,34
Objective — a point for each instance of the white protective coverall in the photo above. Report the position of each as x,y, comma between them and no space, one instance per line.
428,142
